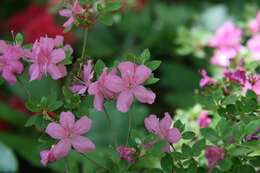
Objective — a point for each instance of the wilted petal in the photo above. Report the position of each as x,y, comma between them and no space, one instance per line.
65,13
143,95
142,73
173,135
55,131
61,149
124,101
82,144
82,125
67,120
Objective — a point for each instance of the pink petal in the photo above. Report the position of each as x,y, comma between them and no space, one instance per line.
166,122
173,135
67,120
82,126
58,41
77,9
142,73
57,56
44,157
63,70
124,101
34,72
54,72
99,102
61,149
152,124
82,144
55,131
114,83
127,70
93,88
143,95
9,77
65,13
3,46
87,72
69,22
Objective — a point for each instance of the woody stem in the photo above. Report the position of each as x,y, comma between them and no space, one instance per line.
111,127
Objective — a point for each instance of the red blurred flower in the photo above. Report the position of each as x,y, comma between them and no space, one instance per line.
18,104
34,22
4,126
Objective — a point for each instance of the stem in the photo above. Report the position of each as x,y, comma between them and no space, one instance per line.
129,128
66,165
95,163
84,44
111,127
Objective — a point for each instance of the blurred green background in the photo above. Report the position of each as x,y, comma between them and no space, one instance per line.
175,31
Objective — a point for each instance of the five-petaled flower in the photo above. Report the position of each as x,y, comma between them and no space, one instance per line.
130,85
70,134
84,84
46,57
76,9
163,129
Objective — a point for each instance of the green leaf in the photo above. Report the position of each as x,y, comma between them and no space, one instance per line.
188,135
19,39
106,19
54,105
98,68
167,163
112,6
151,80
153,65
186,149
252,127
33,106
145,56
156,170
198,146
225,165
178,155
32,121
179,125
8,161
210,135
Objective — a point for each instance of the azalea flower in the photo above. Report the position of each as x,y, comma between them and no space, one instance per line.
214,155
99,90
162,129
87,74
130,85
10,64
254,25
46,58
205,80
253,45
126,153
70,134
227,43
204,120
76,9
238,76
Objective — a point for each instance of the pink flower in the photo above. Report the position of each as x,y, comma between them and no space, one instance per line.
253,83
238,76
76,9
223,56
253,45
227,36
47,57
254,25
126,153
10,65
214,155
47,156
130,85
163,129
99,90
70,134
204,120
205,80
227,43
87,75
